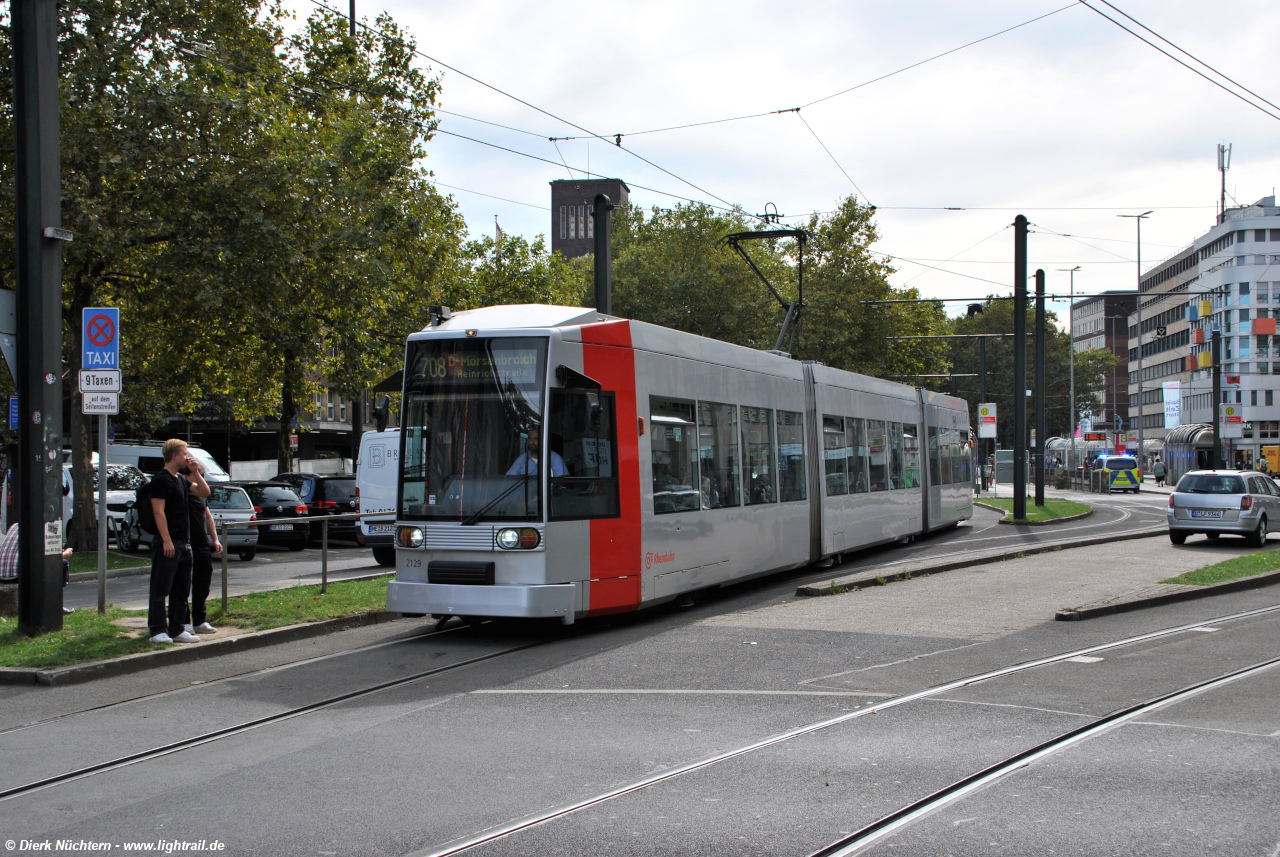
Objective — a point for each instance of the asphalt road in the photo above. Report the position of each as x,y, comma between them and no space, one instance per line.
557,715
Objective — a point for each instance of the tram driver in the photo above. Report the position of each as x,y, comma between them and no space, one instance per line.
526,463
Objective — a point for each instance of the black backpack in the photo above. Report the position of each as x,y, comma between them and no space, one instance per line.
142,503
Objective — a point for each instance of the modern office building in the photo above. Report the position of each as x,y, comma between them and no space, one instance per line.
1228,280
1101,322
572,229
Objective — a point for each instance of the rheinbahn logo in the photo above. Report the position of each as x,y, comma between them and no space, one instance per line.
651,558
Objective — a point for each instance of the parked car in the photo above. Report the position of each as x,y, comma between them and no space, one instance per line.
123,482
327,494
1213,502
377,469
228,503
273,500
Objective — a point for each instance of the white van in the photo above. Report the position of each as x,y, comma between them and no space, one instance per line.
376,471
149,458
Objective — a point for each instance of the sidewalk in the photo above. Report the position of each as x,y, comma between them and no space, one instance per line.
995,599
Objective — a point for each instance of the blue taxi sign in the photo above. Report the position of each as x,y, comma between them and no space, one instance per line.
100,338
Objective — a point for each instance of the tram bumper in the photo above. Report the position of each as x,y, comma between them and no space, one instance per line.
542,601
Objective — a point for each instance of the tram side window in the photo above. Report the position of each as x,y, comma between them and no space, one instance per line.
935,457
895,456
855,434
965,453
791,473
878,445
835,451
674,440
757,456
582,431
910,456
718,449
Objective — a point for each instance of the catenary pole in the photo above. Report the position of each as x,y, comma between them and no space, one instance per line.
982,397
1217,399
1071,360
38,274
1020,367
1041,421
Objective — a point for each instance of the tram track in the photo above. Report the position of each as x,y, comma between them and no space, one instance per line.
469,843
890,824
257,723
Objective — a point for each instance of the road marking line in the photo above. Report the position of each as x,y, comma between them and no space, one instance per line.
680,691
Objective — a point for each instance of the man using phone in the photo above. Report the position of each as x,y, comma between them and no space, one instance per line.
171,548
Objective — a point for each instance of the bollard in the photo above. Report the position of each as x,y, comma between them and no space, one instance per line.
324,556
222,527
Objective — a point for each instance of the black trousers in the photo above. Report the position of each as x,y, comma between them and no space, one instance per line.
201,577
170,581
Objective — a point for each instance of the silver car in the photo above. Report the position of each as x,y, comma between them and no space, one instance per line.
1213,502
229,505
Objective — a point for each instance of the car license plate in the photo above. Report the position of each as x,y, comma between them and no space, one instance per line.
1206,513
376,529
281,528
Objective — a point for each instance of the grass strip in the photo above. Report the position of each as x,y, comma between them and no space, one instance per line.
1249,565
277,608
88,561
1054,507
86,636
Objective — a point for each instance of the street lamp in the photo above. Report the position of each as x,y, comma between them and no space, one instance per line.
1071,357
1138,218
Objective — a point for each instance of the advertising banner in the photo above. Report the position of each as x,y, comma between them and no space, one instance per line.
1172,404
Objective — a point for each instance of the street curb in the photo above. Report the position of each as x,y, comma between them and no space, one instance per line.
1008,519
183,654
871,577
130,571
1244,583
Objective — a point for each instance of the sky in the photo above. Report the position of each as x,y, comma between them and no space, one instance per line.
1068,120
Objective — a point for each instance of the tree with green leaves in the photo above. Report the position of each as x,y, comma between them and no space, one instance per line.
672,268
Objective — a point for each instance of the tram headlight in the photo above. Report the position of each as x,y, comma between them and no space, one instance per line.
410,537
524,538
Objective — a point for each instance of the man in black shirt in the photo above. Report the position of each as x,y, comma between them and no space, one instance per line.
204,544
170,548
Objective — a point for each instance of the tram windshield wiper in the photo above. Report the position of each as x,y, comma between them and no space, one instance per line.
475,516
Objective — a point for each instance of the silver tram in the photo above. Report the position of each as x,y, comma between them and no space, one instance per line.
560,463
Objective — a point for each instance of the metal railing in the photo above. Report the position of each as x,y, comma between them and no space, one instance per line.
224,526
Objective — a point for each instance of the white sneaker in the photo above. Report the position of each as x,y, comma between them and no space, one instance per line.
186,637
187,627
162,637
204,628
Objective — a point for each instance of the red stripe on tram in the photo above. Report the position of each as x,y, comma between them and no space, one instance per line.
615,542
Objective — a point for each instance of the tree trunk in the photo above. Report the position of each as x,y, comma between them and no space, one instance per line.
288,410
357,428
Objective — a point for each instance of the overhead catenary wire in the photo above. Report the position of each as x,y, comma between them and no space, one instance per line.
937,56
321,4
829,154
1185,65
1189,54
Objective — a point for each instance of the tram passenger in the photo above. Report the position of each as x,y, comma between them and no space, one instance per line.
526,463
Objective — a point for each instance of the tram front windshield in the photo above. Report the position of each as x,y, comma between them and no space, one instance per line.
473,449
